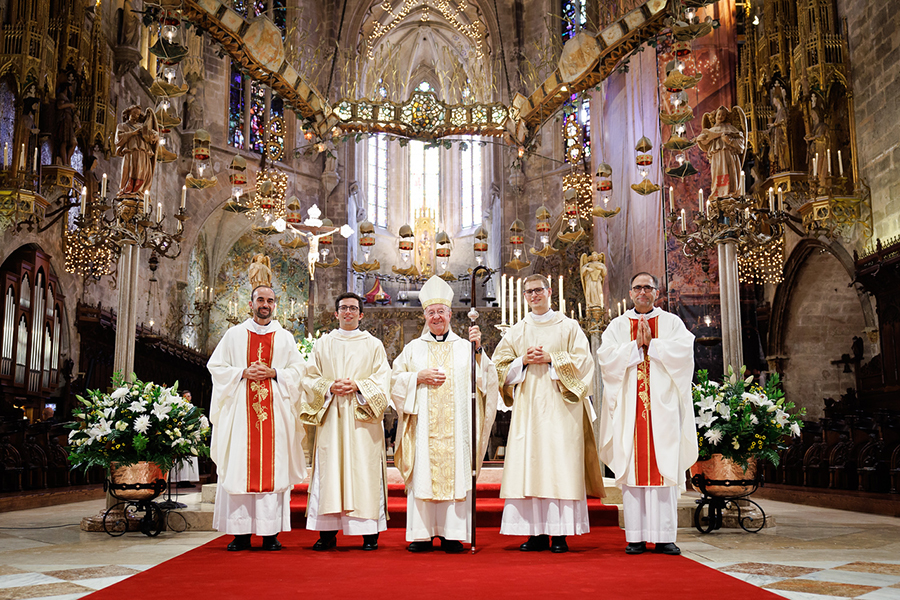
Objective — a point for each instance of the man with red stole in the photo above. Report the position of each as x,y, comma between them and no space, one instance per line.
347,386
648,436
256,372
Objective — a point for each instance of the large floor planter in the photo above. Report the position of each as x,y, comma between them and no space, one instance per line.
136,482
730,478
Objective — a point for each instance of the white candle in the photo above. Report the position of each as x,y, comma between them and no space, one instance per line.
701,199
771,199
503,298
512,300
708,208
624,304
602,304
580,314
780,200
562,299
103,186
572,315
22,159
816,165
683,224
521,296
840,165
671,198
828,156
158,212
83,200
609,312
5,154
35,160
147,202
742,183
183,195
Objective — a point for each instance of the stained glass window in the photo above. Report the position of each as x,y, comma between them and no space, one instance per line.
577,130
236,108
376,179
424,178
471,180
574,13
257,116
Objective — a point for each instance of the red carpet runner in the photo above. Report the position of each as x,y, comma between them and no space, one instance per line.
596,566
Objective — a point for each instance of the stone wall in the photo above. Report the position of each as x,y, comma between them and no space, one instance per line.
874,37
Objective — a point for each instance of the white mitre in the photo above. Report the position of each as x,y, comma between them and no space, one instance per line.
435,291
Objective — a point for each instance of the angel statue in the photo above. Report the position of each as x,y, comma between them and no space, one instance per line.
260,271
137,139
593,272
723,138
778,149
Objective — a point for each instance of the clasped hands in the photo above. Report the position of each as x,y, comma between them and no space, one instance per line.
643,334
258,372
343,387
535,355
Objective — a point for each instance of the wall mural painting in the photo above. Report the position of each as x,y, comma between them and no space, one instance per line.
197,279
290,279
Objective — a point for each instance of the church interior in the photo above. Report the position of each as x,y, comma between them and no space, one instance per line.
158,156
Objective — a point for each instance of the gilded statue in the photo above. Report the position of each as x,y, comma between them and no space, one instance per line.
778,149
260,271
723,138
593,272
137,139
817,138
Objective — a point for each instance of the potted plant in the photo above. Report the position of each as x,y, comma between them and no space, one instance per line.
137,432
738,423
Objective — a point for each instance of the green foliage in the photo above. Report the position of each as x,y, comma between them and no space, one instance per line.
136,422
305,345
739,419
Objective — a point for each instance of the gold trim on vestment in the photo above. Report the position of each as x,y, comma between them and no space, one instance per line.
506,391
313,412
427,303
573,388
441,424
376,402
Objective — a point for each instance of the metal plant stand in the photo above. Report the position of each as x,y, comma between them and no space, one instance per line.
117,517
711,519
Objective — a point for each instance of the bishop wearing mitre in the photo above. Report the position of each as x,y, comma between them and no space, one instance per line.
431,390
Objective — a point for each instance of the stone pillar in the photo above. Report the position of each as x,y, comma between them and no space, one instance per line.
729,298
126,319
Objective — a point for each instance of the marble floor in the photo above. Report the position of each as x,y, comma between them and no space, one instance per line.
812,553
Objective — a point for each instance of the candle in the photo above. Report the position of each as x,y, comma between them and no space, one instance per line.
158,212
602,304
103,187
5,154
512,300
747,215
83,200
609,312
292,307
503,298
521,297
771,199
624,304
572,315
671,198
183,196
780,200
619,307
562,299
840,165
701,199
708,208
580,314
683,224
816,165
828,156
147,203
742,183
22,159
35,160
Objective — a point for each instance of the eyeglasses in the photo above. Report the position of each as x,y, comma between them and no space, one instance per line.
432,313
642,288
352,309
534,291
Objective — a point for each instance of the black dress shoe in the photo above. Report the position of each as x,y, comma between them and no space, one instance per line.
667,548
536,543
327,540
558,544
240,542
420,546
636,548
370,542
451,546
271,543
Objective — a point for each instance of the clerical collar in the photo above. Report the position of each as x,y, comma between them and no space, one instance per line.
544,317
440,338
633,314
261,329
346,333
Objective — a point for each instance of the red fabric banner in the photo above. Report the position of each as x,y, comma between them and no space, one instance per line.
260,419
645,468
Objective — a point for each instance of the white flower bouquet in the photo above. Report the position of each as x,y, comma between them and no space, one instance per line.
739,419
136,422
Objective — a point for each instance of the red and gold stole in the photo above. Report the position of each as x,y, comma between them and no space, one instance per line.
645,468
260,419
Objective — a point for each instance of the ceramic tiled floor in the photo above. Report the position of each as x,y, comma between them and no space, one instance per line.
812,553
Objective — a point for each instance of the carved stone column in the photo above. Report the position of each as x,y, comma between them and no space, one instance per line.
730,300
